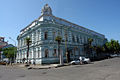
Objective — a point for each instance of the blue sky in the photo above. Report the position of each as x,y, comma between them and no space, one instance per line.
102,16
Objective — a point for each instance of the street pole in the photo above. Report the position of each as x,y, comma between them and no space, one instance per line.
66,39
66,46
14,48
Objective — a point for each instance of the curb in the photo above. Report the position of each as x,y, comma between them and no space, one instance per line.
38,68
49,67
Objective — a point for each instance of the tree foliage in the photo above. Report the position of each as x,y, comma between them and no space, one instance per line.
99,49
90,40
112,46
88,47
28,42
0,49
58,39
10,52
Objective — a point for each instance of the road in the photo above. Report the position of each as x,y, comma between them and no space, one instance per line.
108,69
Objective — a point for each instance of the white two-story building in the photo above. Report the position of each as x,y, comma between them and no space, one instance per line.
43,32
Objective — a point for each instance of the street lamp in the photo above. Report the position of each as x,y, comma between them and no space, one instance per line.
14,48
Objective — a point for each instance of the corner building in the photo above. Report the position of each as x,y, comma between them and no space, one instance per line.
43,31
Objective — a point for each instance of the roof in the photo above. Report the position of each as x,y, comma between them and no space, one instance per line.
48,12
7,46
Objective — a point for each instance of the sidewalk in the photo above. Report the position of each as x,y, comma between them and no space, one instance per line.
45,66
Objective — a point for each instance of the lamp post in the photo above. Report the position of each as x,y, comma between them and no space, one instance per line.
14,48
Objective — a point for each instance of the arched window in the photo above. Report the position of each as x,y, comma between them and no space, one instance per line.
46,35
38,52
34,36
73,38
84,40
54,35
38,35
55,53
46,53
80,40
77,39
66,36
34,55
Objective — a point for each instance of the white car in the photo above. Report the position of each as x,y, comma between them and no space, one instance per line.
114,55
81,59
84,60
75,62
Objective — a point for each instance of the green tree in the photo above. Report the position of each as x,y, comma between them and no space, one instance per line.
10,52
112,46
59,39
90,40
28,41
0,49
88,47
99,50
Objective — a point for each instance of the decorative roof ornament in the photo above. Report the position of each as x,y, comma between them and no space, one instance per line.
46,10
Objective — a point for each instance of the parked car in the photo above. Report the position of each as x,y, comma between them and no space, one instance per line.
114,55
84,60
81,60
74,62
2,63
5,60
118,55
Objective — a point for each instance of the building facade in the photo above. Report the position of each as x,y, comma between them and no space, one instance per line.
44,30
2,44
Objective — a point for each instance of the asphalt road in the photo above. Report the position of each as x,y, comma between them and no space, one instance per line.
108,69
